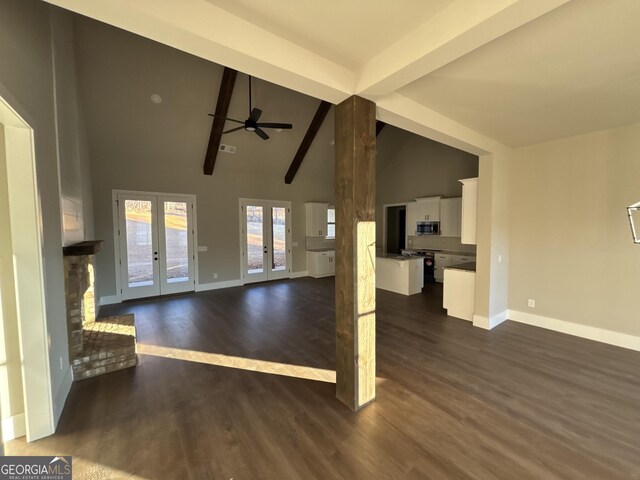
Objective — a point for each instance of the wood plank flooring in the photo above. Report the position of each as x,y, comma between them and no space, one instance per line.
453,401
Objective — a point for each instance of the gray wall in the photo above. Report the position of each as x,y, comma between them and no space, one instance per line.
30,32
410,166
570,241
138,145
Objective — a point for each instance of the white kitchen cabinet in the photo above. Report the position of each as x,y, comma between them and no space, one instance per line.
412,217
441,260
469,210
428,209
321,264
460,259
459,293
316,219
450,216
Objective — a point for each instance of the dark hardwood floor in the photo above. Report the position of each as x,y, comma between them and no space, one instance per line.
453,401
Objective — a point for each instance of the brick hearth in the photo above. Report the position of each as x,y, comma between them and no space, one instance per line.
96,346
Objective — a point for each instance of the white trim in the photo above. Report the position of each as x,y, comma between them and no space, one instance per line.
299,274
488,324
203,287
13,427
109,300
26,234
610,337
61,395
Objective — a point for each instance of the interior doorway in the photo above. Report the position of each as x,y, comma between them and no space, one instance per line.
396,228
156,238
265,240
26,399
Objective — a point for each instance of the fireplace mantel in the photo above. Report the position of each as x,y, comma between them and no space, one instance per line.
89,247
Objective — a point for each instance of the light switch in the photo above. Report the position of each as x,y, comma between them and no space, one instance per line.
202,249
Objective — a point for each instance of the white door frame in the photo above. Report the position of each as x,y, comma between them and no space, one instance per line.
26,234
269,203
116,247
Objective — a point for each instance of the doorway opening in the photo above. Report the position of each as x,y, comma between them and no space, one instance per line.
26,399
395,228
265,240
155,235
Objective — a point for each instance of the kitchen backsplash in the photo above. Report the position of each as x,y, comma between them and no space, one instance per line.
315,243
439,243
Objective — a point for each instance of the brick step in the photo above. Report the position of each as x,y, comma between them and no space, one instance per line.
103,362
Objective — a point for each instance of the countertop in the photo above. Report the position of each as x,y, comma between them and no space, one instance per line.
466,267
320,249
446,252
395,256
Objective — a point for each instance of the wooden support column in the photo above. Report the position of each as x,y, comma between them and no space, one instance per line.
355,180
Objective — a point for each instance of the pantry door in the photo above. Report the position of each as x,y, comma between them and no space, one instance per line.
265,240
156,240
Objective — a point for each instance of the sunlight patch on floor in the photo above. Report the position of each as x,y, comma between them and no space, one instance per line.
250,364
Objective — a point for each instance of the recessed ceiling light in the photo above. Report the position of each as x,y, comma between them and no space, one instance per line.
332,142
155,98
279,130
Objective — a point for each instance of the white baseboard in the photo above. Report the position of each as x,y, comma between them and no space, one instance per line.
610,337
14,427
109,300
489,323
61,395
299,274
203,287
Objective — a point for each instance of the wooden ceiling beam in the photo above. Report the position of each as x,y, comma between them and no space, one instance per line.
222,107
312,131
379,126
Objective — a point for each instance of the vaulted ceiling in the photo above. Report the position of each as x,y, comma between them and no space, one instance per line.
475,74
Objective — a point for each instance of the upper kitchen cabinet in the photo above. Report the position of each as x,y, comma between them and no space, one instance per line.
469,210
317,219
450,217
428,209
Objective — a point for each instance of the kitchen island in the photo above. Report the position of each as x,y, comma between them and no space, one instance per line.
399,274
459,290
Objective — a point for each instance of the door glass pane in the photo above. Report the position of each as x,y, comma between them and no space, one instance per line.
139,243
177,241
279,243
255,241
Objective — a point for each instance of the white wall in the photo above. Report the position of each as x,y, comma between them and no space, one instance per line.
29,34
138,145
570,241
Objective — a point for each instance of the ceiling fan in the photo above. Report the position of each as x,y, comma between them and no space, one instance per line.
251,124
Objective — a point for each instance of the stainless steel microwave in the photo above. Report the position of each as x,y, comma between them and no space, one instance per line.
428,228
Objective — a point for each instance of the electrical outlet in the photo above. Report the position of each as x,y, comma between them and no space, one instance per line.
215,275
499,258
61,365
531,303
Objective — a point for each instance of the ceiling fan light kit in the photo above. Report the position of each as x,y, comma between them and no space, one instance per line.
251,124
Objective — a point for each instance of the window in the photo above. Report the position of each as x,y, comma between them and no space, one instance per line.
331,222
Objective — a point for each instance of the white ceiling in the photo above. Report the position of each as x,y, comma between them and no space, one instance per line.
346,32
475,74
573,71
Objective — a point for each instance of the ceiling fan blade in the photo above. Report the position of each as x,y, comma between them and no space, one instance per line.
262,134
284,126
227,119
255,114
234,130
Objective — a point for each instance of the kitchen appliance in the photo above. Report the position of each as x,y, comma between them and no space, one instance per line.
428,228
429,264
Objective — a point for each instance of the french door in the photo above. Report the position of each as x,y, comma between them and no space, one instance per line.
265,240
155,235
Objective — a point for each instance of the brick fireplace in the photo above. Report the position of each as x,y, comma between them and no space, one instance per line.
96,346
